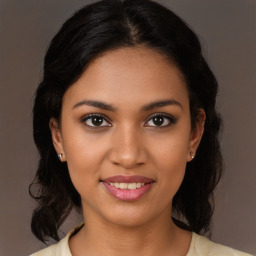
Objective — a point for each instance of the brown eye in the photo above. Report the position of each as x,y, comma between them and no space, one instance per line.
94,120
97,121
161,120
158,120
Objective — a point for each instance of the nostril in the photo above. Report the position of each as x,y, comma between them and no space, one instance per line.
128,155
127,165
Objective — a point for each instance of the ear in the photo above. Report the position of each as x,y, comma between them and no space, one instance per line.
57,138
196,134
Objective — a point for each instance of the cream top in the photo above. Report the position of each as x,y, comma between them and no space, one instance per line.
199,246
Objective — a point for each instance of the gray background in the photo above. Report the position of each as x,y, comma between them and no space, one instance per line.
228,33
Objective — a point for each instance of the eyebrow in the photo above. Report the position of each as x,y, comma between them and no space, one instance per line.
106,106
96,104
161,103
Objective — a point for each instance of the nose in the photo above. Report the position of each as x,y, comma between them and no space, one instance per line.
128,149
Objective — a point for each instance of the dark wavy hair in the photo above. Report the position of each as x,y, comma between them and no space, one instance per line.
104,26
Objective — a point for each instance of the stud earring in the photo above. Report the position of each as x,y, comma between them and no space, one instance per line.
192,156
60,157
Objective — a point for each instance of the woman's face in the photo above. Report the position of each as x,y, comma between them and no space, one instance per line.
126,135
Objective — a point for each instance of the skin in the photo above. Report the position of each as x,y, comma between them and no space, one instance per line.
128,143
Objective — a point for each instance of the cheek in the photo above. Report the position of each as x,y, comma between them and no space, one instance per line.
170,160
81,147
172,166
171,149
171,174
84,159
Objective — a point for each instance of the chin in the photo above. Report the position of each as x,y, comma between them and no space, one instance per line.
131,214
129,220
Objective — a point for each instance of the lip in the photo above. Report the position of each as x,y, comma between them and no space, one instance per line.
127,194
128,179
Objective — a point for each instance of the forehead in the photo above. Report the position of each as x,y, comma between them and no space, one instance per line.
128,75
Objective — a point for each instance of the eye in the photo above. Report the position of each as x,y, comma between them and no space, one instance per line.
161,120
95,120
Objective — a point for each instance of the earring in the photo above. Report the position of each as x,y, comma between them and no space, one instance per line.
60,157
192,156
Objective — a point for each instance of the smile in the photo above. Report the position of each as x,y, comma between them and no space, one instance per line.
131,186
128,188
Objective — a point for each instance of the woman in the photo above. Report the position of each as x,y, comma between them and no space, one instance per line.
126,127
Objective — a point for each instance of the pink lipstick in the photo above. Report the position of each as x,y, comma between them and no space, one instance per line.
128,188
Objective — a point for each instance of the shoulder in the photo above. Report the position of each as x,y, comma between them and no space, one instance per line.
202,246
59,249
49,251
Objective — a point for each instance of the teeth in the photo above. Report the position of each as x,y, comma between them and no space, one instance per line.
138,185
123,185
117,185
130,186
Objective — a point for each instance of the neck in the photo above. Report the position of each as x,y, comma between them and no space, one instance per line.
160,236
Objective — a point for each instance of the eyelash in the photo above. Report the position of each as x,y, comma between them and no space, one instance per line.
91,116
170,119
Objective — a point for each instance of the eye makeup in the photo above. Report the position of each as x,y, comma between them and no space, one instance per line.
160,120
156,120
